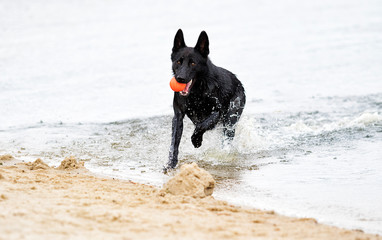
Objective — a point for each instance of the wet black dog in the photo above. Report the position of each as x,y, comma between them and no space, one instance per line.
212,94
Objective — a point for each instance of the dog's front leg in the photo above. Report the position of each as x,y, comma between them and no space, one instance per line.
208,124
177,129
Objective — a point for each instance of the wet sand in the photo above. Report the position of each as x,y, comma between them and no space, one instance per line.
68,202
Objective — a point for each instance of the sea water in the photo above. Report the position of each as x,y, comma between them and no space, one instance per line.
91,79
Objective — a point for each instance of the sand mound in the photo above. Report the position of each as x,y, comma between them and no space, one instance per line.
70,163
6,157
38,164
191,181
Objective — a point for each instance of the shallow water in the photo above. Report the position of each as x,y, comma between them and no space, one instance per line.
91,80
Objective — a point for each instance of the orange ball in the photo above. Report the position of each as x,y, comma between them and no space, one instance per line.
176,86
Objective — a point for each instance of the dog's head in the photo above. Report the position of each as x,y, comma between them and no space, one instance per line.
187,62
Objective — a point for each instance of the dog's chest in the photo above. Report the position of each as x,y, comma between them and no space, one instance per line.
199,108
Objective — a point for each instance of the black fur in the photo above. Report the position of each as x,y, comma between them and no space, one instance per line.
215,96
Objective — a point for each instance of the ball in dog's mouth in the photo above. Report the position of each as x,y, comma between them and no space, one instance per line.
187,89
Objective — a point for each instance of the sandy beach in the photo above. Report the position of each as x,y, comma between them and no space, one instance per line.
68,202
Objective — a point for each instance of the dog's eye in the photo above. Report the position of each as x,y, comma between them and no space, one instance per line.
193,64
178,62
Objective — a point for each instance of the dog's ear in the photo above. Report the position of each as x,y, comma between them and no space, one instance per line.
178,41
202,46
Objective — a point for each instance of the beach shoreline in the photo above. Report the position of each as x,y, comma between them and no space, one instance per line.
40,202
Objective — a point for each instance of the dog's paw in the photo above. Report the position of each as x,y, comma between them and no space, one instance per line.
171,164
196,140
167,169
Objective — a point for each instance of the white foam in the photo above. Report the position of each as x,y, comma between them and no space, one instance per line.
300,126
362,120
250,137
366,119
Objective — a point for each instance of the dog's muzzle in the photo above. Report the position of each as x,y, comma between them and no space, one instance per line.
187,89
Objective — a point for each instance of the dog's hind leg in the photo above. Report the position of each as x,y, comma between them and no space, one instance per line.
232,117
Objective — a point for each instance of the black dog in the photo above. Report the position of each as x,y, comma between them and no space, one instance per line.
212,94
